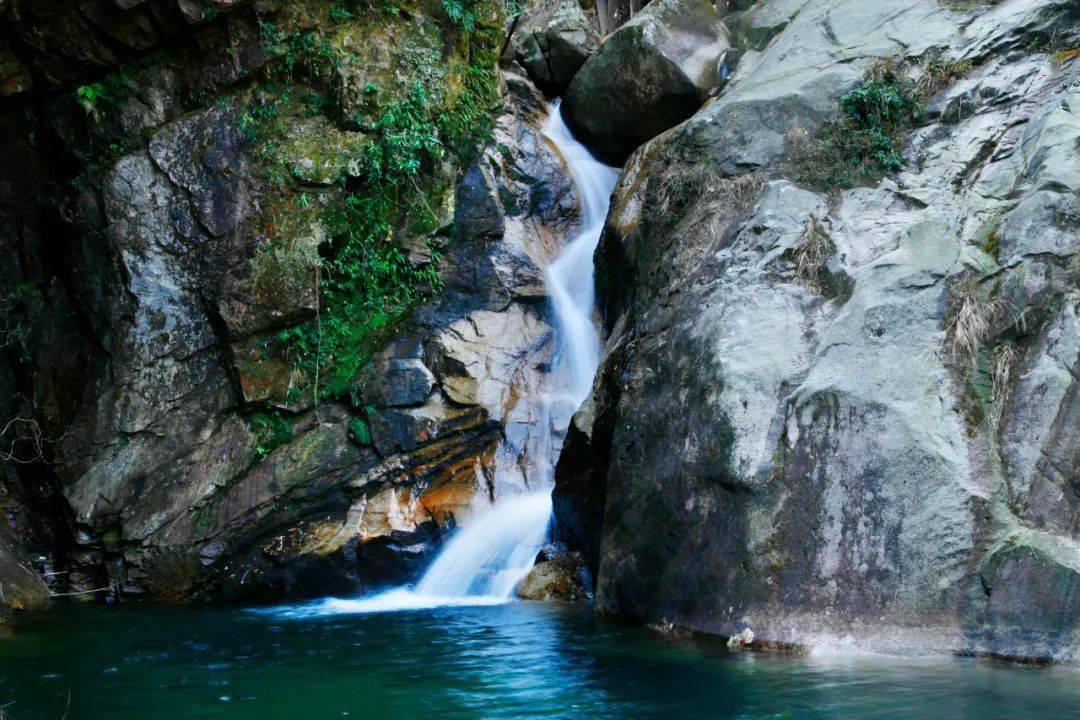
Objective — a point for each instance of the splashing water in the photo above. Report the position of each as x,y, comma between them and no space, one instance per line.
483,563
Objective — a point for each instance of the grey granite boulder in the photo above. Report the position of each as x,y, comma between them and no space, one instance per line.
649,75
553,42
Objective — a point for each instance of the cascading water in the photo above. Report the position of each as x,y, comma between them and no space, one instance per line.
484,562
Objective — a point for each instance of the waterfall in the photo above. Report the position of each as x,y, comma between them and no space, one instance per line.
483,562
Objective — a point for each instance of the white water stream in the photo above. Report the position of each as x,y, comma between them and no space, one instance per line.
483,562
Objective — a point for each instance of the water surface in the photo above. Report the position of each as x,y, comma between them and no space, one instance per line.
519,660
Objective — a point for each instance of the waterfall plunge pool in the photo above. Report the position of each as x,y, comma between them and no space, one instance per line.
516,660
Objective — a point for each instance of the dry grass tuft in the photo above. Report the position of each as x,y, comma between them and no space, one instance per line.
1003,368
700,204
938,75
682,189
973,318
810,257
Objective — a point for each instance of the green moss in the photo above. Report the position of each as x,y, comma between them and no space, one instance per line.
395,179
992,244
271,430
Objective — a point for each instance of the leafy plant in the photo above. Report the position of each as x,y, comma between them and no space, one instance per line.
271,430
15,325
105,96
461,12
866,140
360,431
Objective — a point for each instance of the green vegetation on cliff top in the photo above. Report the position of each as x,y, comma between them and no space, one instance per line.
368,284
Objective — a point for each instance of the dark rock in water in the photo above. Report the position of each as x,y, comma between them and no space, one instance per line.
553,42
1026,596
23,588
649,75
399,557
559,574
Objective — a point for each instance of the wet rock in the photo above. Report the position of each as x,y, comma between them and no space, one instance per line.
1026,601
477,358
23,588
206,154
396,430
558,575
554,42
657,69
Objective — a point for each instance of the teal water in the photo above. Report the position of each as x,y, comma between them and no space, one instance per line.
509,661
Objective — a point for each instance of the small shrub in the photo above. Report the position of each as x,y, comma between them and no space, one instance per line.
866,141
15,319
810,256
104,97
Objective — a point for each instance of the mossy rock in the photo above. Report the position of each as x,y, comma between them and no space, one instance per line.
268,376
319,153
384,58
278,285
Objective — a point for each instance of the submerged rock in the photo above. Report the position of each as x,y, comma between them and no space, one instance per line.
649,75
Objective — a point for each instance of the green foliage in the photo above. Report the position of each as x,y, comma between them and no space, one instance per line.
369,285
15,324
360,431
310,51
462,12
271,430
866,141
470,122
106,96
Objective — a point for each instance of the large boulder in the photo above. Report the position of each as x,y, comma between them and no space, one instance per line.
649,75
783,432
553,42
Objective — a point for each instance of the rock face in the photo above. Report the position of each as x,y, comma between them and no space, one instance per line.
830,449
23,587
181,424
649,75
